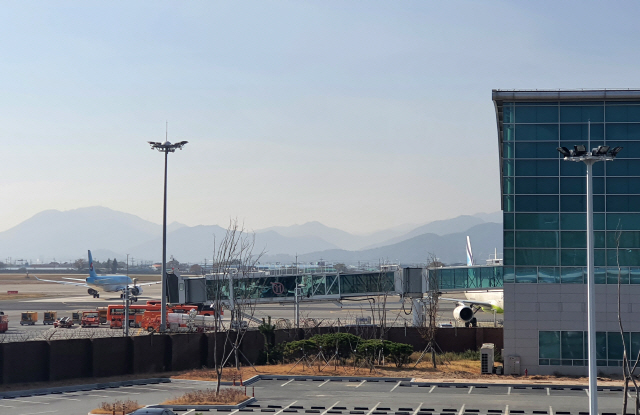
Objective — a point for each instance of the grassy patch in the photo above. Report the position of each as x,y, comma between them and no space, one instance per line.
228,396
107,407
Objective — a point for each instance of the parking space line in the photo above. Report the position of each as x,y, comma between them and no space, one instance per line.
38,413
231,413
324,413
60,397
126,393
151,389
394,388
432,388
286,407
324,383
509,391
587,391
470,389
286,383
7,406
23,400
461,409
548,391
550,410
506,409
417,409
98,396
373,409
361,383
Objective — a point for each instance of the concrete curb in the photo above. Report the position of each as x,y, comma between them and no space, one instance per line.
205,407
79,388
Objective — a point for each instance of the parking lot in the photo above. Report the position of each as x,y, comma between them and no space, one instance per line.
336,396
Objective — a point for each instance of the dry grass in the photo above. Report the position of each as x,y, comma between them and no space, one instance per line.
228,396
107,407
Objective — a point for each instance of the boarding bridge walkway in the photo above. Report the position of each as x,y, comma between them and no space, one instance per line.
295,285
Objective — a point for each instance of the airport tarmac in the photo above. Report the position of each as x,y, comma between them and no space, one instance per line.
39,296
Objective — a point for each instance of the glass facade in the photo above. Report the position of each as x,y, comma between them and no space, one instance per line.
569,348
452,278
261,286
544,197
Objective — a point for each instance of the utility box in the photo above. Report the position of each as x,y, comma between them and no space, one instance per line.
487,354
512,365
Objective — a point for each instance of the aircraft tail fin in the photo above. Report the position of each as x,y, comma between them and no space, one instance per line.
92,271
469,252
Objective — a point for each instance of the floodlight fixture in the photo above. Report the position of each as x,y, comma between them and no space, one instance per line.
600,151
564,151
579,150
614,152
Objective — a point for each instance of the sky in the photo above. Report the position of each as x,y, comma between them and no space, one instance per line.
362,115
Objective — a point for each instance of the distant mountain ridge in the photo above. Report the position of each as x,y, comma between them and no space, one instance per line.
108,233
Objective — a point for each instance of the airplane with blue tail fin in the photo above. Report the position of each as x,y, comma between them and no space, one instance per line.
107,283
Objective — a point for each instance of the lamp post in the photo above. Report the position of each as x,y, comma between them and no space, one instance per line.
165,148
581,154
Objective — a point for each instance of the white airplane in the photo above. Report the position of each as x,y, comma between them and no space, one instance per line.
476,300
106,283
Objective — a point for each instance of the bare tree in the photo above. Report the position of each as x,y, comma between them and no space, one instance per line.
427,326
233,262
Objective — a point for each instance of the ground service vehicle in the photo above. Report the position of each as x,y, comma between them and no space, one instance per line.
49,317
115,312
28,318
64,322
4,322
76,316
102,314
90,319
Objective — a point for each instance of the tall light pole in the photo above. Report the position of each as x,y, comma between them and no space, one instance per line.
581,154
165,148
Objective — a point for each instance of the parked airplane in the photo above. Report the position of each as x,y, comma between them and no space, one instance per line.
106,283
476,300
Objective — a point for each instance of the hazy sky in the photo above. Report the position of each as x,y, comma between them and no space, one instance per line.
362,115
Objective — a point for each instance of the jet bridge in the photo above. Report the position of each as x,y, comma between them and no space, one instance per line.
280,287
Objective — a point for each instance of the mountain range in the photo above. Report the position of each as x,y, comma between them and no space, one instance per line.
66,235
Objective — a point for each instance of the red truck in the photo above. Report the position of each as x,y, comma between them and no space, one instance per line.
4,322
90,319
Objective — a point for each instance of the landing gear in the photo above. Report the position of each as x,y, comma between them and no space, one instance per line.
93,292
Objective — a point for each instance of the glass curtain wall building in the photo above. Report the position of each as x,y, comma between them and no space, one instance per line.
544,197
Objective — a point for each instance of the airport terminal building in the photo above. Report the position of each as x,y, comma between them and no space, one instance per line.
544,205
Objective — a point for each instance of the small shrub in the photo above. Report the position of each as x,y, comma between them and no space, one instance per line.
209,397
107,407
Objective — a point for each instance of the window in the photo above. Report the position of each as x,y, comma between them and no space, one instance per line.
535,257
622,113
537,167
534,221
536,185
529,239
576,113
570,348
536,203
536,114
579,133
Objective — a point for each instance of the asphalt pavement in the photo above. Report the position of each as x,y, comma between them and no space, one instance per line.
335,396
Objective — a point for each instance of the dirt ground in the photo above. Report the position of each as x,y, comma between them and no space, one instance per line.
461,371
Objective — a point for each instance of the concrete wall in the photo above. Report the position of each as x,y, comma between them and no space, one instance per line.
541,307
41,361
25,362
112,356
70,359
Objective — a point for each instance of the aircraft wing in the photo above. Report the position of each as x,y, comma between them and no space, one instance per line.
83,284
468,302
148,283
73,279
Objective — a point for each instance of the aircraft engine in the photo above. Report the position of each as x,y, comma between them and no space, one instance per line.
91,291
136,291
463,313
